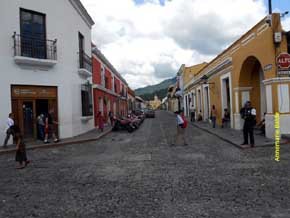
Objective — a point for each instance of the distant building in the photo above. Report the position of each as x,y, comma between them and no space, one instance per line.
110,88
164,103
140,103
131,100
173,100
187,74
156,103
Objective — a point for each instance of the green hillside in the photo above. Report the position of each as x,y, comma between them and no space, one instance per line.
160,89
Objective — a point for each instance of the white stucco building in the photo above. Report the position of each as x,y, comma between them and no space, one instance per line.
45,59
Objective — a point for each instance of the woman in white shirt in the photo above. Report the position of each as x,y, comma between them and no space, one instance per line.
9,132
180,134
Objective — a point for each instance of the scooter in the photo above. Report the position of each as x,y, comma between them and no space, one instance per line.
122,124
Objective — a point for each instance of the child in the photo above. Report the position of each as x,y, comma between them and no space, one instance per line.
20,148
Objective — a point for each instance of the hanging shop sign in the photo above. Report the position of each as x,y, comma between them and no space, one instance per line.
283,64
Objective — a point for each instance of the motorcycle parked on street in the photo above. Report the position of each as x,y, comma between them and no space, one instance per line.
123,124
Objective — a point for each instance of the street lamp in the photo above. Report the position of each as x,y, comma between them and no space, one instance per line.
284,14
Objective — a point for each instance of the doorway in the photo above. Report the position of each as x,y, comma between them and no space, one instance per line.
28,119
198,101
206,103
226,96
28,102
251,76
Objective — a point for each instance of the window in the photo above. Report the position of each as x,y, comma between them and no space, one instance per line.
81,50
87,100
115,86
107,82
32,34
102,75
113,83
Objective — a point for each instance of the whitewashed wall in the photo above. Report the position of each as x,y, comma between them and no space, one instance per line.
62,23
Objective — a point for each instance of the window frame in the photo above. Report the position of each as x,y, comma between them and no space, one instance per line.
44,27
87,100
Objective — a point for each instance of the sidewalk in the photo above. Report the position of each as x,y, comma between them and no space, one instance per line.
235,137
92,135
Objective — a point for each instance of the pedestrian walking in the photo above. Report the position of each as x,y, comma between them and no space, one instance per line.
111,117
8,130
180,131
226,119
101,120
248,113
20,156
41,126
192,115
50,124
213,115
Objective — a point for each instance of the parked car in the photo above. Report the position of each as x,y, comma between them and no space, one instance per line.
150,113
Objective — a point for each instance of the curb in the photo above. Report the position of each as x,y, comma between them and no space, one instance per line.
51,145
222,138
234,144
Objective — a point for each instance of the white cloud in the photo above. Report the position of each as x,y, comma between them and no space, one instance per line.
286,24
147,43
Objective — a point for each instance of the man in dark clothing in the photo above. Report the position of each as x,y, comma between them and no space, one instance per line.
192,115
248,113
50,126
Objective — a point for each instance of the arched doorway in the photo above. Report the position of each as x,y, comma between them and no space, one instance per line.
251,85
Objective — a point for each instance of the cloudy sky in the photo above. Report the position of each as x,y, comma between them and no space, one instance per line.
148,40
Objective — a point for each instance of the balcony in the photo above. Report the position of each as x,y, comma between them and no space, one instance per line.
85,67
34,51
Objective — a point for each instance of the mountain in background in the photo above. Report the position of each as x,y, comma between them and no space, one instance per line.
160,89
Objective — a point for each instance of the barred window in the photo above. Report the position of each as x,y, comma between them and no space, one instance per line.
87,100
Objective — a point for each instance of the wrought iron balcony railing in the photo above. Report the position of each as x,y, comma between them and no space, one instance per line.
32,47
85,61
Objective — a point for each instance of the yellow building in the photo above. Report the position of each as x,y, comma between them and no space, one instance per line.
187,74
172,100
247,70
156,103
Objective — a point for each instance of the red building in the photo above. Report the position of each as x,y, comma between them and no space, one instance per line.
109,88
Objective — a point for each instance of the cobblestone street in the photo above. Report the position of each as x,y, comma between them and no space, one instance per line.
141,175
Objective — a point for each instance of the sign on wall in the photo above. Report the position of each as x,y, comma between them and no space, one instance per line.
283,64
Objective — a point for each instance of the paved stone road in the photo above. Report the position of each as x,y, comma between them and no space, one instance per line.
139,175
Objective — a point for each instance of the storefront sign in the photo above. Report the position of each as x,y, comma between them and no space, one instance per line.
283,61
33,92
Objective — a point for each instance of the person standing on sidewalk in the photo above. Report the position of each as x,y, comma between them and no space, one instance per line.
213,115
50,126
101,120
40,126
111,116
248,113
180,132
9,132
20,156
192,114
